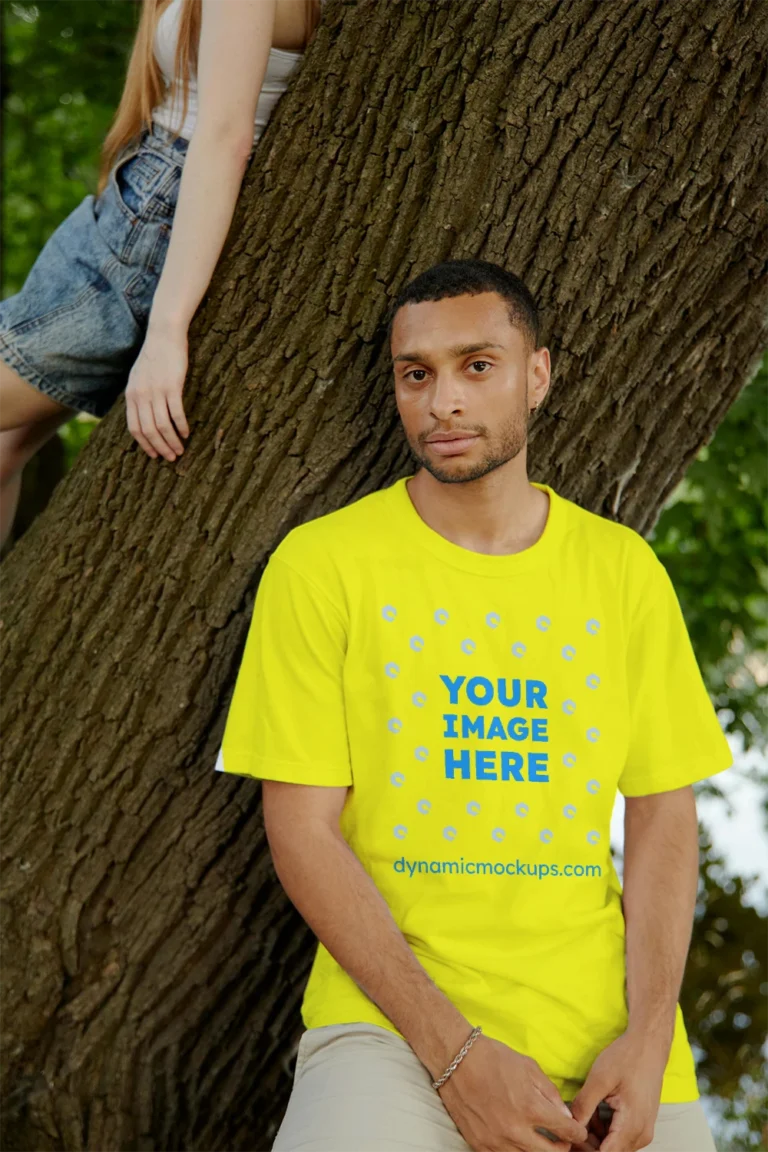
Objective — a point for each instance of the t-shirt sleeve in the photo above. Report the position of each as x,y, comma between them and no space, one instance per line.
675,736
286,720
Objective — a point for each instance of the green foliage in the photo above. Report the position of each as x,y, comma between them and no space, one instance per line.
75,435
723,999
64,69
712,536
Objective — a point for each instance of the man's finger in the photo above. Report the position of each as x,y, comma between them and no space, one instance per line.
538,1141
586,1100
559,1123
561,1120
626,1131
589,1145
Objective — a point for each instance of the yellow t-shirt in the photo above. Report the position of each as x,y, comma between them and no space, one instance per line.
483,710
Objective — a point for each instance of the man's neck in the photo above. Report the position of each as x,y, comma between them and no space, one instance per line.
498,514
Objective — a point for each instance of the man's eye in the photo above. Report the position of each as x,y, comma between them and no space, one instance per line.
422,370
481,362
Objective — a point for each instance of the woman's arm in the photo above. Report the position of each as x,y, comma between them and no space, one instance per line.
235,39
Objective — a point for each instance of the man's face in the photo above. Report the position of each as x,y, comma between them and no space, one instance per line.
460,365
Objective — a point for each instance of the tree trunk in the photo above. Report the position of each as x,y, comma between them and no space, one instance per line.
613,155
4,97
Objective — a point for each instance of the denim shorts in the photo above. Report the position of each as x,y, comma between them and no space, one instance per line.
77,325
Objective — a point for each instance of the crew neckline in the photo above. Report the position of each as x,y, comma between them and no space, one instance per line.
288,51
481,563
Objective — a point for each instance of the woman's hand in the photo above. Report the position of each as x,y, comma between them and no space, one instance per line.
153,393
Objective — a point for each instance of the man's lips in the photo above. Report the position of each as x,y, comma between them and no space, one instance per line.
453,443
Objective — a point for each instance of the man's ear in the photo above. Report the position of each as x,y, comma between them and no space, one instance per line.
539,369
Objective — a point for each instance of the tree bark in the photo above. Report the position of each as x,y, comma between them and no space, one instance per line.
613,156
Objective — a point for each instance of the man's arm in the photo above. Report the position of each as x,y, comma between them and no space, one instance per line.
340,902
497,1097
661,867
661,863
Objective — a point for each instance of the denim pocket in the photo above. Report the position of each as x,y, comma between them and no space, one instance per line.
145,183
148,258
134,216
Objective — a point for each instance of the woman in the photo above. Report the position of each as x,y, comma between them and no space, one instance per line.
108,303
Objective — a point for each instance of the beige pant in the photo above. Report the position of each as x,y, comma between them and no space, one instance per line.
360,1088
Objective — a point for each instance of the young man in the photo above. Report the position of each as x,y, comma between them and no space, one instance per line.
443,685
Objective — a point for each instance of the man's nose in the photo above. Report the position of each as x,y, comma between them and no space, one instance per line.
447,395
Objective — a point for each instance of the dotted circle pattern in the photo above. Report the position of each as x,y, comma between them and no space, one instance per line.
419,699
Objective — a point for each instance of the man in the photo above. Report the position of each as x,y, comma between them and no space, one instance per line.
443,685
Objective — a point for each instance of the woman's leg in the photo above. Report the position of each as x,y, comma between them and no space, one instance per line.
28,418
22,404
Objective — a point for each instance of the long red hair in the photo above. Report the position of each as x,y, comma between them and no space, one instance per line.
144,83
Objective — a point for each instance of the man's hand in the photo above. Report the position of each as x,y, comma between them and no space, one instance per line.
501,1100
628,1076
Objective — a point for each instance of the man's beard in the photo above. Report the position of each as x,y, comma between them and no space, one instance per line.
510,441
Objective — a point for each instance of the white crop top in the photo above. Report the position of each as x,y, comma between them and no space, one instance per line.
280,64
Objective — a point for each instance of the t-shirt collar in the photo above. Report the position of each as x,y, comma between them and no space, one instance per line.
543,552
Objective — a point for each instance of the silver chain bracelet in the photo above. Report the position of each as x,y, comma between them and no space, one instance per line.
458,1058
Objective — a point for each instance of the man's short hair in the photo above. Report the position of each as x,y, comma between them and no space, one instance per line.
460,277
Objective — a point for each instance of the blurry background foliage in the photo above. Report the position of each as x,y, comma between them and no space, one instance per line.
62,71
